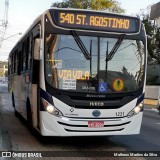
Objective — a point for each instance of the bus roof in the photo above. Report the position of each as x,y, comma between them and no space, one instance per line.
67,9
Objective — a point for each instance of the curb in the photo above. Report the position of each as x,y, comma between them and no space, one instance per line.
153,103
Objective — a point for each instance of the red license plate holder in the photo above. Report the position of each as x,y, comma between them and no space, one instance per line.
95,124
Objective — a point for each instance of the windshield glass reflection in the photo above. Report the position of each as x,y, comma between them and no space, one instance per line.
67,67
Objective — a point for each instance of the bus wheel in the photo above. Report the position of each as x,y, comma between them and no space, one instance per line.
159,110
16,113
29,114
13,103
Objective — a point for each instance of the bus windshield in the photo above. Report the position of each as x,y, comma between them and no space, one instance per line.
67,68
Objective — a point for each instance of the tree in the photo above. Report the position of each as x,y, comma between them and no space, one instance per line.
2,63
6,73
157,44
109,5
153,37
126,73
149,27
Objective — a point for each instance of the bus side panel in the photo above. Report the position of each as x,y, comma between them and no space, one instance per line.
10,84
33,98
23,94
17,93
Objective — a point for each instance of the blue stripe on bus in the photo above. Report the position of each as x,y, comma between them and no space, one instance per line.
140,99
47,97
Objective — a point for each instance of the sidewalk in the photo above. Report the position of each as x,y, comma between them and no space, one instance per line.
151,103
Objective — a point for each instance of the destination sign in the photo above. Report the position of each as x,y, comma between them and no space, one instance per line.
97,21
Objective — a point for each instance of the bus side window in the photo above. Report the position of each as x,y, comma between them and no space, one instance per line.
12,63
25,49
19,62
14,57
26,53
16,61
22,58
30,52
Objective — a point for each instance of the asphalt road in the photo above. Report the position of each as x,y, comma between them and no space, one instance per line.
15,136
149,137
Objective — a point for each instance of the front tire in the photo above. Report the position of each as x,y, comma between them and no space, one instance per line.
13,104
159,110
16,113
29,114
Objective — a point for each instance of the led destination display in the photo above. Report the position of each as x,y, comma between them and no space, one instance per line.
97,21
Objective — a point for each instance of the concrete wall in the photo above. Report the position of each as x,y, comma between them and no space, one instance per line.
152,92
158,22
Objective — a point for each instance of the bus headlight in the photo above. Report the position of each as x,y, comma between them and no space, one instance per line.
50,108
136,110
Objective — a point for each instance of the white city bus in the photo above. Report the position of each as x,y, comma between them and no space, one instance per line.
80,73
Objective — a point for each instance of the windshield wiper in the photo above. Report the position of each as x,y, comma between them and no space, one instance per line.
91,58
107,55
81,45
115,48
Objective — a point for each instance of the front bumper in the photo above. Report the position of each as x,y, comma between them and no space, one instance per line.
63,126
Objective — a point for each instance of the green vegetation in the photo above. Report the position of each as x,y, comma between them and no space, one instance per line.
2,63
153,38
109,5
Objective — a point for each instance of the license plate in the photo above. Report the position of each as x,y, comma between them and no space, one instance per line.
97,124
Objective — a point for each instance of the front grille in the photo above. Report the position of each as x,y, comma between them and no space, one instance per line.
112,125
83,127
97,107
86,103
94,130
109,103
